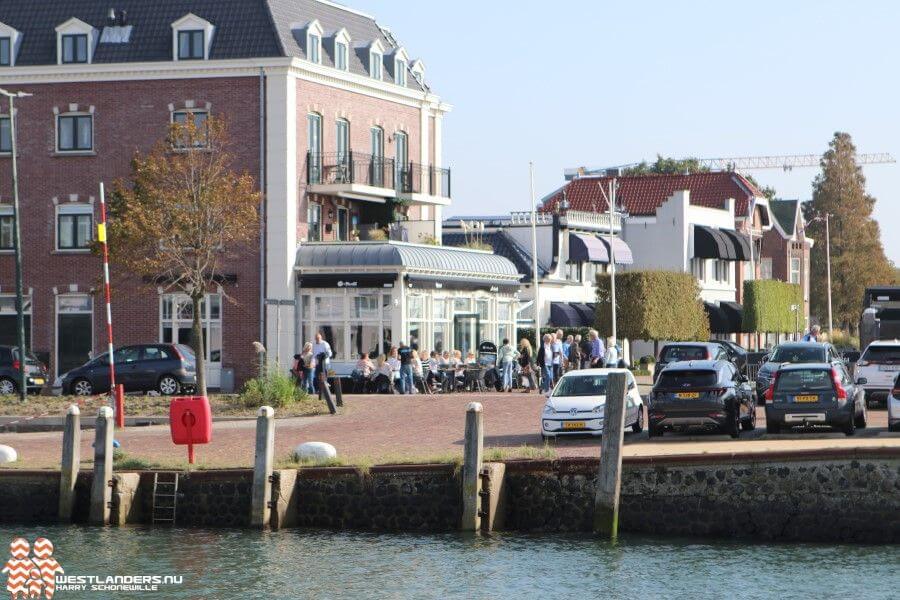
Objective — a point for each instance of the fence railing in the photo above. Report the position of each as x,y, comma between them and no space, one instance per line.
377,171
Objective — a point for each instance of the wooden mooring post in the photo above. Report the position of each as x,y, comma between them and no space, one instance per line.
261,493
473,450
101,488
71,461
609,479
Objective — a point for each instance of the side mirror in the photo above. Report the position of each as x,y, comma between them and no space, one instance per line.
631,385
862,381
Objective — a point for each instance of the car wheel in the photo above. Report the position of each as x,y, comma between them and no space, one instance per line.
638,425
82,387
654,431
734,428
850,427
862,418
750,423
772,427
7,387
168,385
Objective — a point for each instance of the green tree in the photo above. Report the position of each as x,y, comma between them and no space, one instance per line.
767,190
857,255
667,166
183,215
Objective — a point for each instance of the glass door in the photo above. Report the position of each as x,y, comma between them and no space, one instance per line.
74,331
377,178
402,167
176,326
314,139
343,224
465,333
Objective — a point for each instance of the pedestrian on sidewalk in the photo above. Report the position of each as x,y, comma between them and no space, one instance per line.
307,366
612,354
526,366
558,356
545,360
506,358
407,383
598,352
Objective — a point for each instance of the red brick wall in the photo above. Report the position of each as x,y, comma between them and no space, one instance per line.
128,116
363,112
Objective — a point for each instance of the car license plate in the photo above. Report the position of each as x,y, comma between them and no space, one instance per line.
806,398
687,395
889,367
573,425
38,381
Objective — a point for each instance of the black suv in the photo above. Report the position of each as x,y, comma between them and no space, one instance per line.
165,368
681,351
11,368
708,394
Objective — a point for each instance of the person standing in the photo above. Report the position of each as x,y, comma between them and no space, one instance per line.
812,335
407,381
598,352
525,364
506,358
574,354
307,365
557,342
612,354
545,360
585,345
567,343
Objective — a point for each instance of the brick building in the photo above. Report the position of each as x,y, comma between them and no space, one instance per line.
327,110
786,249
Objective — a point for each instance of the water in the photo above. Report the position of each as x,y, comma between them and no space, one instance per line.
226,564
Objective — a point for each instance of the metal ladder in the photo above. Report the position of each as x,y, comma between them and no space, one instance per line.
165,497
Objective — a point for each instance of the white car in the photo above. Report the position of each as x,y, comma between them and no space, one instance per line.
877,369
576,405
893,403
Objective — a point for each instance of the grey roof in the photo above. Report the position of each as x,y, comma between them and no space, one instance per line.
503,245
407,256
244,29
785,211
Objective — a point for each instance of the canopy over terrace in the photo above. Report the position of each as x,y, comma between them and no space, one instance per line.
365,296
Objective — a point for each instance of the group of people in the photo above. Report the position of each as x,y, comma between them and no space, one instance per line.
406,370
311,364
556,355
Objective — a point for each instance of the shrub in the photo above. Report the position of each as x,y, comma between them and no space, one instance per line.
648,360
377,235
653,305
767,306
428,239
274,389
844,339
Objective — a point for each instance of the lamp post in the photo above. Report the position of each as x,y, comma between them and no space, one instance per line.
826,217
534,264
17,242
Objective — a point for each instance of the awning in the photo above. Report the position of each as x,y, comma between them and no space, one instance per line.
586,312
587,248
570,314
620,250
725,317
741,243
711,242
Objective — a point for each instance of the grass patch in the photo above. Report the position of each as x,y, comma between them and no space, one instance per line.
545,452
365,462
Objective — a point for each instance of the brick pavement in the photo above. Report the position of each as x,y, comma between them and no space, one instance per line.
382,428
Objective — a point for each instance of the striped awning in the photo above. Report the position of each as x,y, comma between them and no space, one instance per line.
587,248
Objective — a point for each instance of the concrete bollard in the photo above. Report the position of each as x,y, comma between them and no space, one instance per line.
260,509
71,459
471,471
609,479
101,488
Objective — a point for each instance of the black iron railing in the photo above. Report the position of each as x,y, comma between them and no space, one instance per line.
377,171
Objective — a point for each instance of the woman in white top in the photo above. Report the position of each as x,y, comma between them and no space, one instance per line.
612,354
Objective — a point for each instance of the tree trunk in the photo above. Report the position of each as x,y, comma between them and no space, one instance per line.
197,343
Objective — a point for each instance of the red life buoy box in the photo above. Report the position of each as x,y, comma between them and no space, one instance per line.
190,420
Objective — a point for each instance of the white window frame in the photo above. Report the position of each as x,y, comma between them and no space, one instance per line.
73,208
376,60
206,320
56,120
75,26
2,151
191,22
192,112
795,260
401,64
765,267
56,315
6,211
342,38
15,39
342,140
417,68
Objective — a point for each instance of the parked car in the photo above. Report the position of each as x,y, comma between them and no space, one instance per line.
11,365
681,351
708,394
792,353
165,368
578,402
893,403
878,365
736,353
814,394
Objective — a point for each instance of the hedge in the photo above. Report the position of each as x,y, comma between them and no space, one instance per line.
653,305
767,306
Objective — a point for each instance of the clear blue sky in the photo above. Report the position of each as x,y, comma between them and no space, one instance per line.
578,82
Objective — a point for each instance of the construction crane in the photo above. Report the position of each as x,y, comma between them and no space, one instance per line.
746,163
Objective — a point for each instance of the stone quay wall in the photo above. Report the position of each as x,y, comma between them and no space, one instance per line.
840,498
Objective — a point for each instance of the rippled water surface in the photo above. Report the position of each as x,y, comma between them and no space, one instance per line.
318,564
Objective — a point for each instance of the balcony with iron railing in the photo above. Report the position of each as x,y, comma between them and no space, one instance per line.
376,176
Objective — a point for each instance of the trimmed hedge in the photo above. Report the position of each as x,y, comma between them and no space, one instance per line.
653,305
767,306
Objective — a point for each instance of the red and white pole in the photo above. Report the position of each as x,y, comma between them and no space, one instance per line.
101,237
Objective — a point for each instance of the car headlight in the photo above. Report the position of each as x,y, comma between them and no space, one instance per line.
598,408
548,409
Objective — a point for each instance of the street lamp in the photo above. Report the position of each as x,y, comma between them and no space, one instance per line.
826,218
17,242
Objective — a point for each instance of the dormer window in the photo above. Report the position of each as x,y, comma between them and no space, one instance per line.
191,45
401,63
314,44
376,60
192,38
418,70
5,52
75,48
342,50
75,41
